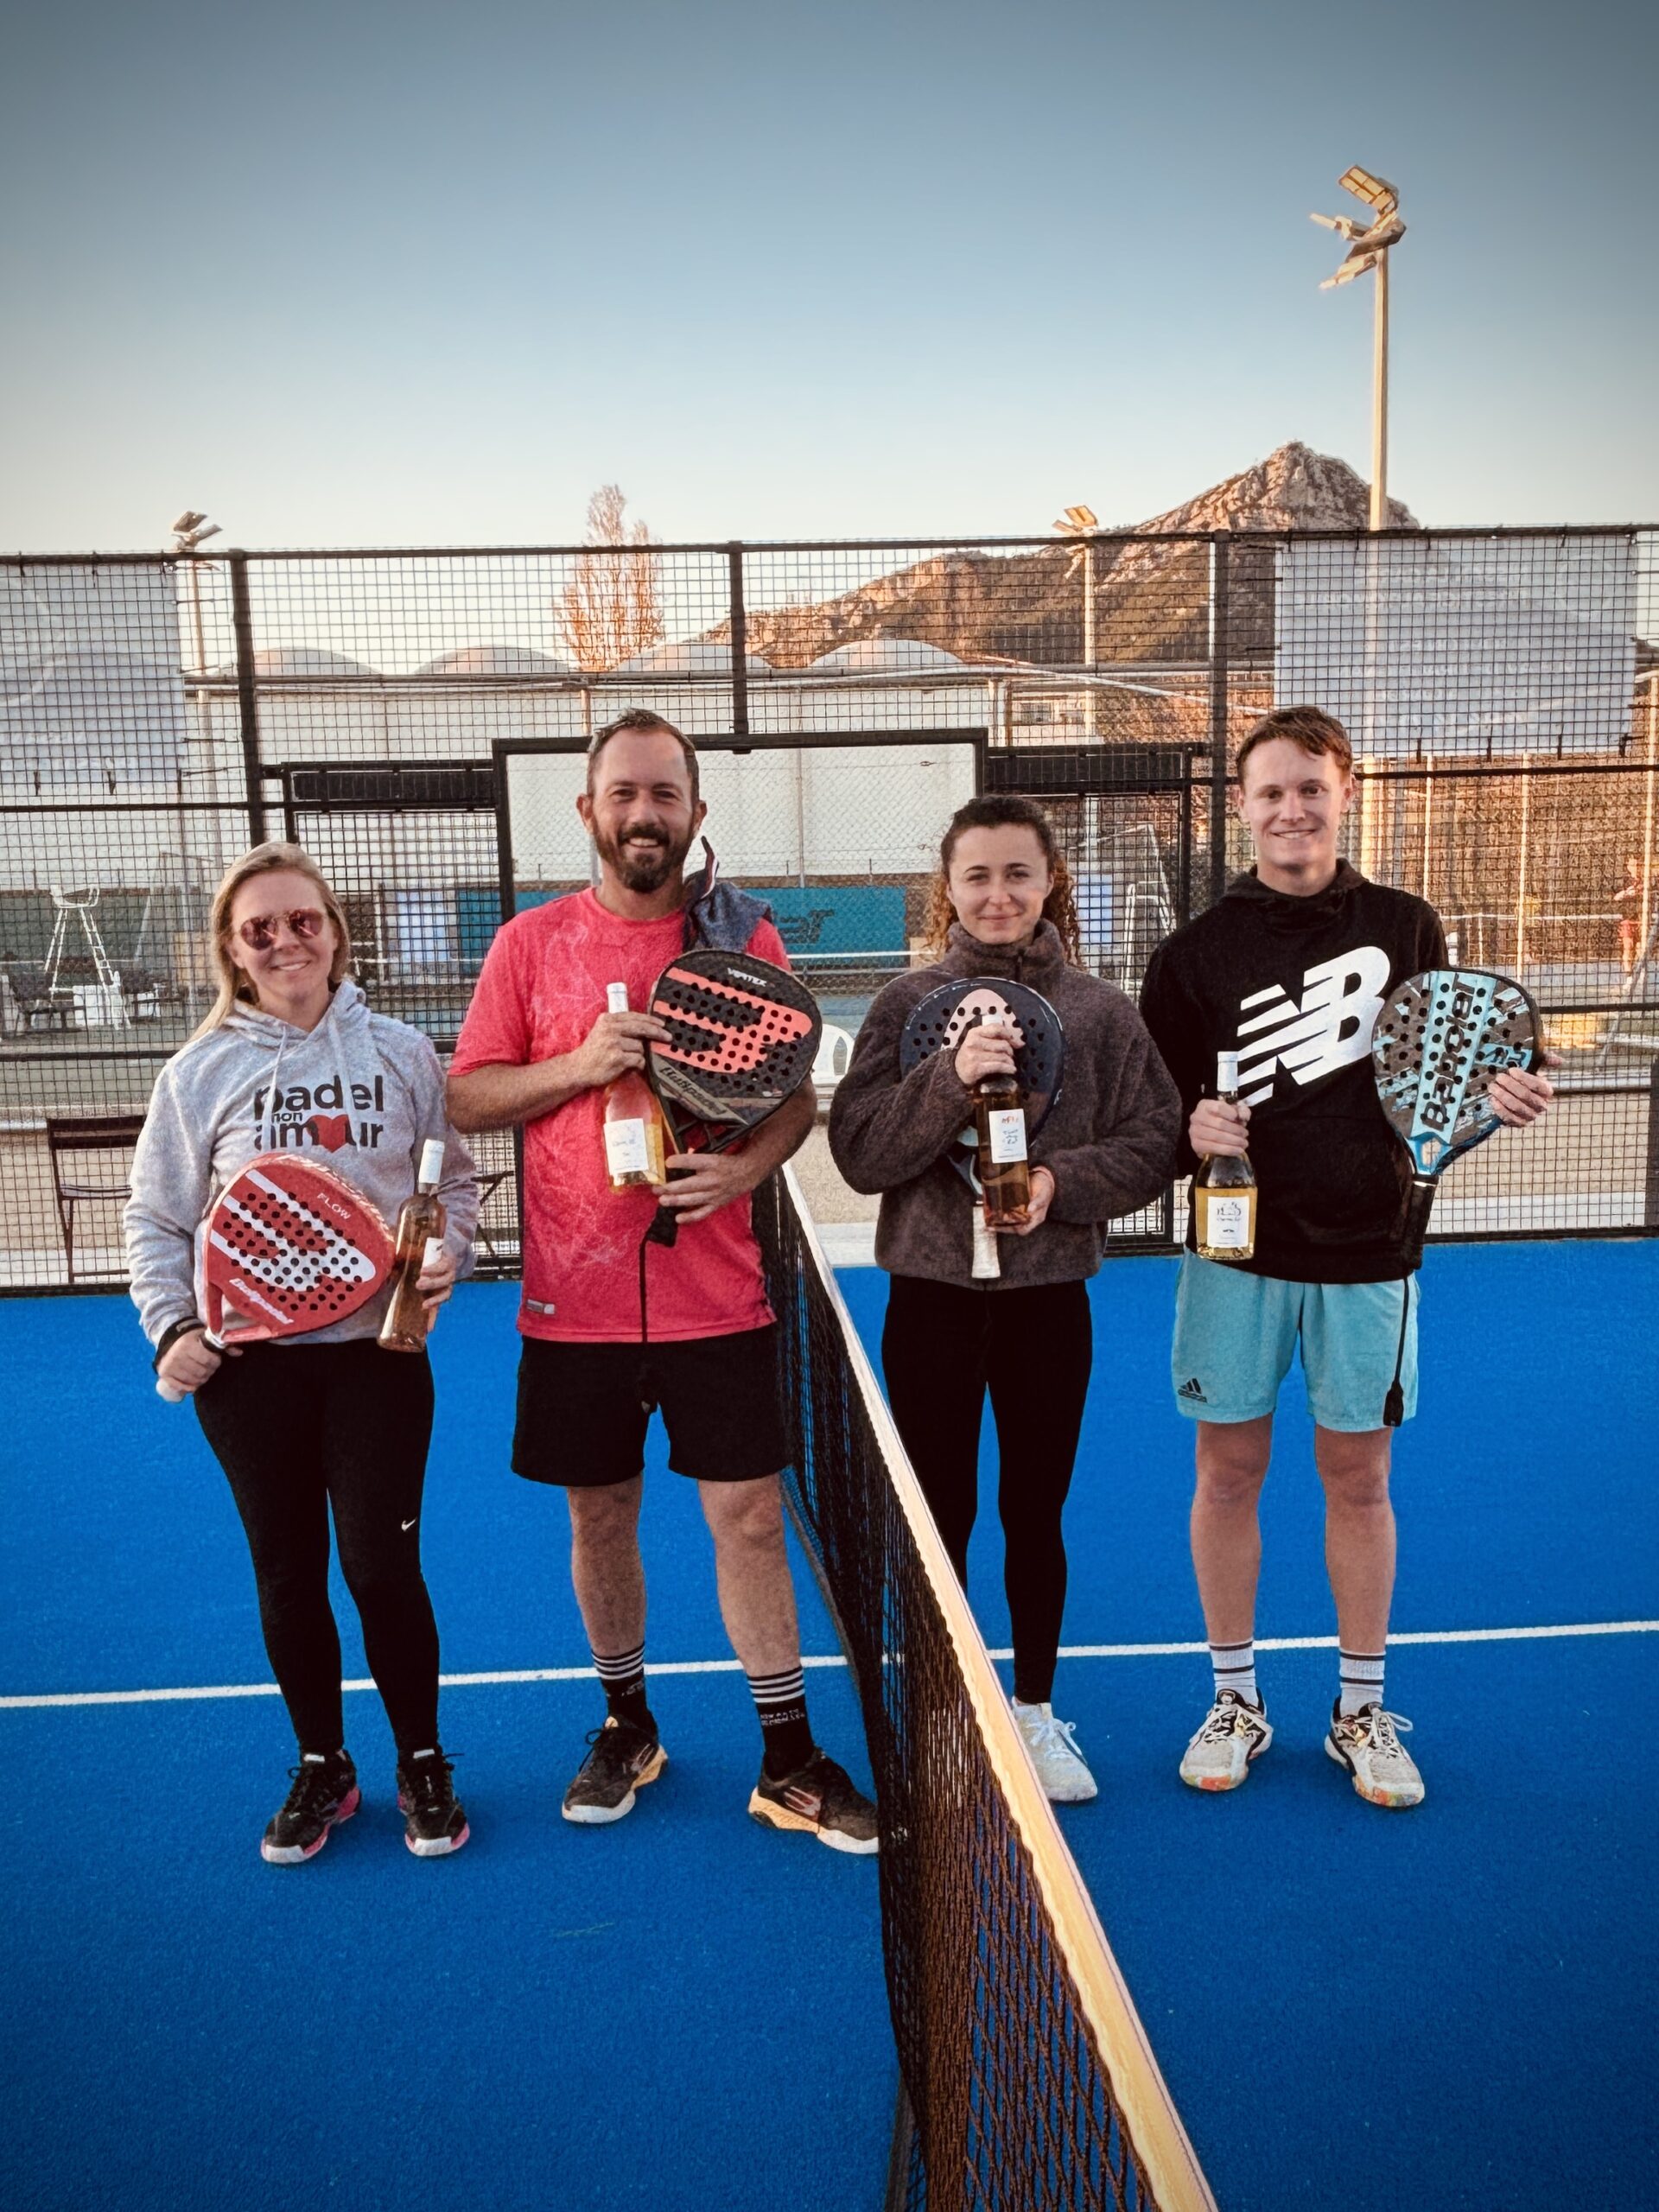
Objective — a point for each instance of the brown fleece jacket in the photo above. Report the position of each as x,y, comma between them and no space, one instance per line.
1108,1141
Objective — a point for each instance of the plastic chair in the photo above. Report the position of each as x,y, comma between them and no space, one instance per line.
69,1139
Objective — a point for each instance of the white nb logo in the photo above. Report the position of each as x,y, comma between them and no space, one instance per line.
1332,1027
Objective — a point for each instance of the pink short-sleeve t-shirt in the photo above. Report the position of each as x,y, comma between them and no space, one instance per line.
541,991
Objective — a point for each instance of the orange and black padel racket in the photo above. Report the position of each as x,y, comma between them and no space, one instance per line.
742,1037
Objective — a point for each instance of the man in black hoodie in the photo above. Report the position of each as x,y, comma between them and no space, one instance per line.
1290,970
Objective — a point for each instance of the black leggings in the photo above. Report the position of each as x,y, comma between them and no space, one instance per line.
298,1428
941,1348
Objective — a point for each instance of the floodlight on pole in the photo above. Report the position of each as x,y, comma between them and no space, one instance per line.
1369,245
191,530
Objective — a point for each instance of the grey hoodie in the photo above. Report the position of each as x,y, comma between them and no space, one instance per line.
360,1094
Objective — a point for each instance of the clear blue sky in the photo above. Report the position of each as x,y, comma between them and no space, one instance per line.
375,274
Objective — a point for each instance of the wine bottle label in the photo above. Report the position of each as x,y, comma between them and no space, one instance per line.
625,1149
986,1260
1007,1134
1224,1220
433,1253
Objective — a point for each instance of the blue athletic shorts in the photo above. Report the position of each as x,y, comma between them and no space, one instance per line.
1235,1335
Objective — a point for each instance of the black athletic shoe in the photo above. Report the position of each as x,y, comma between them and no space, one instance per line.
434,1822
819,1799
624,1758
325,1793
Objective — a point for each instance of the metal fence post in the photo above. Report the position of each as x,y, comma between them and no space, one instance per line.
739,642
1650,1208
1218,550
247,697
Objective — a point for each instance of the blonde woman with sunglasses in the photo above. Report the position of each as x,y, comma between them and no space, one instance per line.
291,1058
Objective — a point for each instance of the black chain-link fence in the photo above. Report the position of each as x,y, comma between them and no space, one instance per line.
416,720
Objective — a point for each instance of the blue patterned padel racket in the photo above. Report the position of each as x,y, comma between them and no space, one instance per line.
1439,1041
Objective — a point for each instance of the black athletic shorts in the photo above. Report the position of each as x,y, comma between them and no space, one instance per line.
583,1409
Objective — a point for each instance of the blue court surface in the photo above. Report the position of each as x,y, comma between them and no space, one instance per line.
1445,2008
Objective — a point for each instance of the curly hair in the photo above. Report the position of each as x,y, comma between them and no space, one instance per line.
1004,810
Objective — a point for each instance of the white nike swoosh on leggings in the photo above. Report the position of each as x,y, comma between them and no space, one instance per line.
409,1524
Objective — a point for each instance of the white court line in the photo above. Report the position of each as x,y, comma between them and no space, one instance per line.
834,1659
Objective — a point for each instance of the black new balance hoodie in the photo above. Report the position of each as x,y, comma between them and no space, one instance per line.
1295,985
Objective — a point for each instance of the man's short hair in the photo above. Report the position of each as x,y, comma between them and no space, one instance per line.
1310,727
642,718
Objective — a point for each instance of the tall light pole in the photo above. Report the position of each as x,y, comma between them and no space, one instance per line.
1080,524
190,529
1368,248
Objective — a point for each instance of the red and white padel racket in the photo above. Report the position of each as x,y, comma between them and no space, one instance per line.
289,1247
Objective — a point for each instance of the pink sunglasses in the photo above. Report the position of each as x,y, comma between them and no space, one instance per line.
258,932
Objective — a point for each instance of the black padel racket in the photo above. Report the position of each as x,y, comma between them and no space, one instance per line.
938,1023
1439,1041
742,1038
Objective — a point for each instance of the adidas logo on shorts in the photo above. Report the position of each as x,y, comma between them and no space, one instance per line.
1192,1388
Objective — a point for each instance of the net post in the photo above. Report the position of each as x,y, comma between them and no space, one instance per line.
1651,1200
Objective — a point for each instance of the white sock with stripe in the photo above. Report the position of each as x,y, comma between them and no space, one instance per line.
1361,1680
1234,1666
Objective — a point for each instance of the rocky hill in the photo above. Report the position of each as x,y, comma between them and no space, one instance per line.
1151,601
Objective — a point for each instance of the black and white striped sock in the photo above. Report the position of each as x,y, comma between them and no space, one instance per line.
780,1701
1361,1680
623,1674
1234,1665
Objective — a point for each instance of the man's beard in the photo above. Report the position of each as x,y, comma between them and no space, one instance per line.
642,867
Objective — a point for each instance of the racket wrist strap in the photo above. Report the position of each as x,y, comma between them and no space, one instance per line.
170,1336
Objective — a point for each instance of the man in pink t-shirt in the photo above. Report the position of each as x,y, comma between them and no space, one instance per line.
615,1325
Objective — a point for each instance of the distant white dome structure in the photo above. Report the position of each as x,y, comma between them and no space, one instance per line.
307,660
496,660
689,657
885,656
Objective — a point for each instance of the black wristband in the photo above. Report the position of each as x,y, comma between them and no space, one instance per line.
170,1336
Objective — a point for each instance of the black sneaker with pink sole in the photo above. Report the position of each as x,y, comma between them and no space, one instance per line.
325,1793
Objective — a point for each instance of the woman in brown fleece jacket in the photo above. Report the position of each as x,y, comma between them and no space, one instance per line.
1002,908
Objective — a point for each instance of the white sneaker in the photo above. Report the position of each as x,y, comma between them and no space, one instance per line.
1234,1733
1367,1744
1054,1753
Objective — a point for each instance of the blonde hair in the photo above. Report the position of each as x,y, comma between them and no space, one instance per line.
1004,811
235,985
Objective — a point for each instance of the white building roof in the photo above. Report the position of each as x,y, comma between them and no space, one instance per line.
495,660
871,655
689,657
307,660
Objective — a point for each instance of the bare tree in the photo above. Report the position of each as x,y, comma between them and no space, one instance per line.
610,608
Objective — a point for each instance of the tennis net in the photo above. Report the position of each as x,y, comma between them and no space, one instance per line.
1027,2074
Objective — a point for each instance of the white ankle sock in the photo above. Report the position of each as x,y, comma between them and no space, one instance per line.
1234,1665
1361,1680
